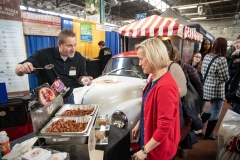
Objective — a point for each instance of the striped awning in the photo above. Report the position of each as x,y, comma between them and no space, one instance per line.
158,26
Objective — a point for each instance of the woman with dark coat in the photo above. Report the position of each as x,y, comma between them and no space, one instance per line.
205,48
189,72
196,62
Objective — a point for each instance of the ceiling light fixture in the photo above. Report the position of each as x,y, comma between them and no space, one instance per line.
187,7
198,18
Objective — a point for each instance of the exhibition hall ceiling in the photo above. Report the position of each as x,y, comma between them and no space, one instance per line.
127,9
123,11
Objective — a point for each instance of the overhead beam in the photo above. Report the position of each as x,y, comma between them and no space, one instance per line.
210,19
202,3
208,7
190,14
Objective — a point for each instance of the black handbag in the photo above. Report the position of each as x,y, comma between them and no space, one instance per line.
192,98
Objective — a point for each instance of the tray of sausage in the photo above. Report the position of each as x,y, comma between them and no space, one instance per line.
74,110
67,125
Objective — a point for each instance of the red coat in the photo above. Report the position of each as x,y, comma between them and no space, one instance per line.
161,118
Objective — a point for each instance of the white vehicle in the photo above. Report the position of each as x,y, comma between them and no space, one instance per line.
118,90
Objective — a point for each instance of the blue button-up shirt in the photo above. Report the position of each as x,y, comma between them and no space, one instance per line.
145,94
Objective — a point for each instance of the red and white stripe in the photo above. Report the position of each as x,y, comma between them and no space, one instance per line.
158,26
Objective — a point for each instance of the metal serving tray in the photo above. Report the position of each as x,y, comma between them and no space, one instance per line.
81,119
75,107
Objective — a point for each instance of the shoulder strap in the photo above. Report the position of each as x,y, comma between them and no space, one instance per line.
209,65
170,66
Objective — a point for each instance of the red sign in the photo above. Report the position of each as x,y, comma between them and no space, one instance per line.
10,10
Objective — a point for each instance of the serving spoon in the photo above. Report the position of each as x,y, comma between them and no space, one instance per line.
48,66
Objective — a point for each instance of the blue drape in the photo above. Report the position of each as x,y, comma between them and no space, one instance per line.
113,41
34,43
66,23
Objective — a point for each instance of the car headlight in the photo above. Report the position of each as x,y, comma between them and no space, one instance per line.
119,119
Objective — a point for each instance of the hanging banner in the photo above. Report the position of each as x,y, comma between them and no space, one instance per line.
12,48
86,32
40,24
93,10
10,10
106,28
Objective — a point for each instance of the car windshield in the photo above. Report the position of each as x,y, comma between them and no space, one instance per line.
125,66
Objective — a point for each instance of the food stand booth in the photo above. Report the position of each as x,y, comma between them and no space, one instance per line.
49,121
181,36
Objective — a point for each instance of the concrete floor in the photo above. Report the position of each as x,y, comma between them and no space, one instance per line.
206,149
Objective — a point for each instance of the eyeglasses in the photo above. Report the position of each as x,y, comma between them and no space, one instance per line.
197,57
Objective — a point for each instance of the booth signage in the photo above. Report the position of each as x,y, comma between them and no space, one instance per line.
12,48
209,36
106,28
86,32
10,10
40,24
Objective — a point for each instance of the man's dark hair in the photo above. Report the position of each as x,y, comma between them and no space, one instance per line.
65,33
102,43
238,37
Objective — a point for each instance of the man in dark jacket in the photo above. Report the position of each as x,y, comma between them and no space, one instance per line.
233,94
234,64
104,54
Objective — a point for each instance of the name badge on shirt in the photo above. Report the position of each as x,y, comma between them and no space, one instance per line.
72,71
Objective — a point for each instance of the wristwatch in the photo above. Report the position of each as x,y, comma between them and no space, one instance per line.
144,151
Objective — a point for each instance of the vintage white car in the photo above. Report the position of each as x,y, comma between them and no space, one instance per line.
118,90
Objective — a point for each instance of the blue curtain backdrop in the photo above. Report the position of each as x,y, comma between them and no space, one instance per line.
113,41
34,43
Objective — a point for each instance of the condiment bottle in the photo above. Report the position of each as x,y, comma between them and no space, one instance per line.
4,143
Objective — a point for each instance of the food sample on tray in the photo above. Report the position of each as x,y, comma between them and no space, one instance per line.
44,94
66,126
77,112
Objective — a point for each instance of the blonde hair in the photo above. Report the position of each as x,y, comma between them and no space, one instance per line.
155,51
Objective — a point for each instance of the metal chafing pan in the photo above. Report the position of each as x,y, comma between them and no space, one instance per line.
75,107
81,119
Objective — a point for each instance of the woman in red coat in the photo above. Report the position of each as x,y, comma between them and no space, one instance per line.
159,124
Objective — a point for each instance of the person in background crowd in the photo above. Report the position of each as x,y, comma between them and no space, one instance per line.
205,47
104,54
196,62
213,88
233,95
159,124
234,65
230,50
190,74
68,64
175,69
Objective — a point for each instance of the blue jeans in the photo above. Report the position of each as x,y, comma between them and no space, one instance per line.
215,109
70,99
203,105
236,107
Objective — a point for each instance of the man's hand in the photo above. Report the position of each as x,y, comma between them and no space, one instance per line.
89,82
22,69
236,60
235,53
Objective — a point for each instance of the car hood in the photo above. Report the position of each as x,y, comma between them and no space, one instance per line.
110,92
